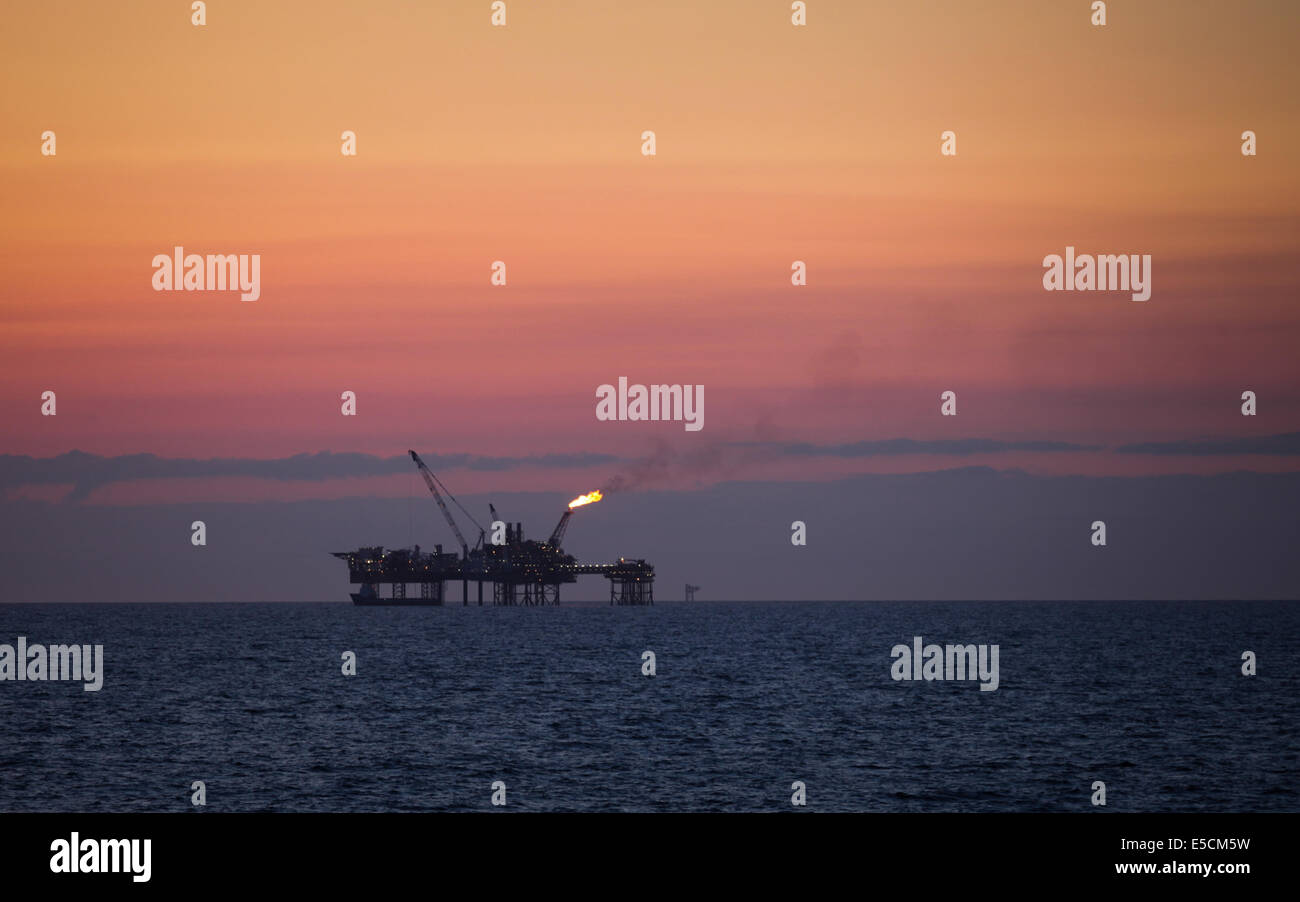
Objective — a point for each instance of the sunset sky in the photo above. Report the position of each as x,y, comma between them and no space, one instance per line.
522,144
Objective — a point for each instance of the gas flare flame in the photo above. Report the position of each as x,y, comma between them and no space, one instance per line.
589,498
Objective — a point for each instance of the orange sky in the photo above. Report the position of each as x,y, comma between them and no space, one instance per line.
522,144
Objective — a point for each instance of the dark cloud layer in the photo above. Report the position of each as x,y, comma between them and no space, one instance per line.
959,447
87,472
1285,444
663,463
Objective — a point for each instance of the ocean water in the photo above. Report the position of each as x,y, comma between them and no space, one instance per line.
748,698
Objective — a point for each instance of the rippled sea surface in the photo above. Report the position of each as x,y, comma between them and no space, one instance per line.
748,698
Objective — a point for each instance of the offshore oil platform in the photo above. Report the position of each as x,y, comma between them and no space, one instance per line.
522,572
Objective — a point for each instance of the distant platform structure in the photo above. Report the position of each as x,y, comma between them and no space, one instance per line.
690,592
521,571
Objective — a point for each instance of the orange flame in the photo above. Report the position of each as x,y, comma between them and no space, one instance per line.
589,498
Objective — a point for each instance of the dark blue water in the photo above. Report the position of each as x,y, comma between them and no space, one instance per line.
748,698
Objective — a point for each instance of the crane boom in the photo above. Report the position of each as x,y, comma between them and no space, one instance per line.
558,536
437,496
